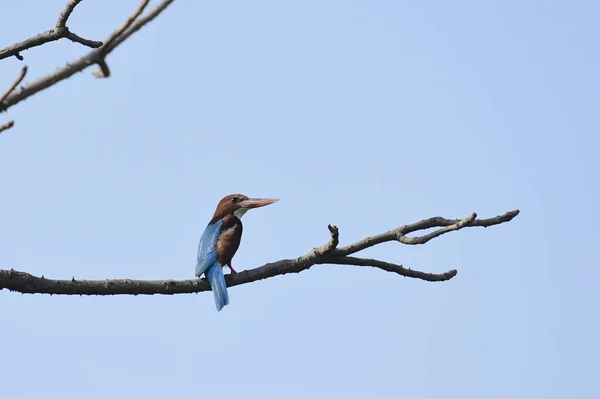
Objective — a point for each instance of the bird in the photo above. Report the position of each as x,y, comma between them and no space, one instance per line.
221,239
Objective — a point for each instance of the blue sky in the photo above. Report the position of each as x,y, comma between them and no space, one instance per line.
363,114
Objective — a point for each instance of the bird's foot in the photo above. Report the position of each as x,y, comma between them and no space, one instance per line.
232,271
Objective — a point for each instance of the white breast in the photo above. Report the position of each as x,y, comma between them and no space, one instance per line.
238,213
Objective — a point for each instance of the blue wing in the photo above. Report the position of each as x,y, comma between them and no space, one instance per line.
208,263
207,248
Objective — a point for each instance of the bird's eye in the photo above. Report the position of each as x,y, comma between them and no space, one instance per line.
235,200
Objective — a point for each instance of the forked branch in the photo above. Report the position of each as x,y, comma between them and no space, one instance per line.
21,76
60,31
96,57
327,254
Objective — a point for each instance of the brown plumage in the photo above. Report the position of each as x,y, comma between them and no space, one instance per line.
229,240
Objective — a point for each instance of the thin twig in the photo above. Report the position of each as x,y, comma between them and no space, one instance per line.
109,40
78,39
425,238
12,87
66,13
138,24
392,267
6,126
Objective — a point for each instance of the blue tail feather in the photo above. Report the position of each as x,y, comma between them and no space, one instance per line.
216,278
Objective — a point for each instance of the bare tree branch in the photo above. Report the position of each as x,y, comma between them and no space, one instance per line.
399,234
327,254
12,87
450,225
3,97
60,31
97,56
66,13
110,40
391,267
129,29
6,126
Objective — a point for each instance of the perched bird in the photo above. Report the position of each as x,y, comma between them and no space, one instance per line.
221,239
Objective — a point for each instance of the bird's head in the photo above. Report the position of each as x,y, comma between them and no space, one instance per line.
238,205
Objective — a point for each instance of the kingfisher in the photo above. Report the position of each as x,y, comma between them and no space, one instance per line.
221,239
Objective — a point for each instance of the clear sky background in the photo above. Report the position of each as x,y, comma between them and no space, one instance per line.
363,114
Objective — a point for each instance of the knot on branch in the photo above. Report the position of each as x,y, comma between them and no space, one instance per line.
103,71
61,31
333,241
